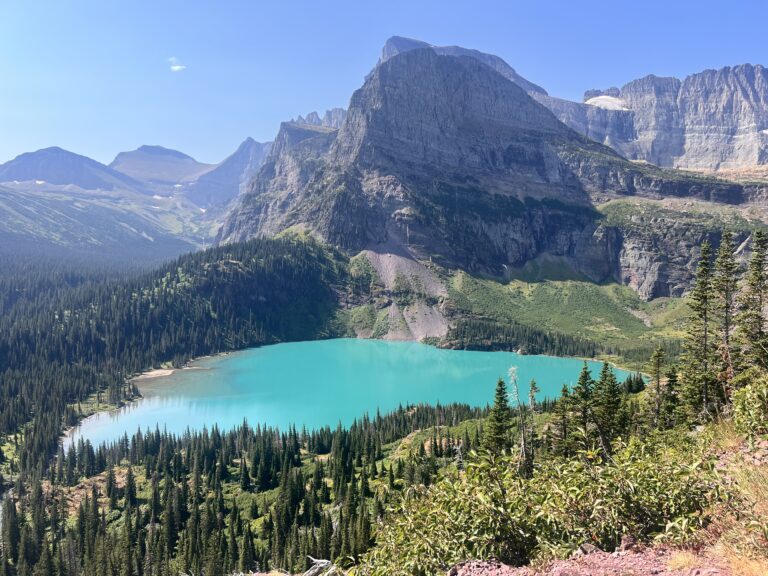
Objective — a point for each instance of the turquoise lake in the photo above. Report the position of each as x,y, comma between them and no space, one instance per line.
320,383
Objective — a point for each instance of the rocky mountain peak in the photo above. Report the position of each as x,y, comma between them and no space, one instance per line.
398,44
155,150
332,118
426,108
231,176
159,165
443,157
613,92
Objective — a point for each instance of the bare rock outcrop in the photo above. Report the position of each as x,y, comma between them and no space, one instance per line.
448,158
712,120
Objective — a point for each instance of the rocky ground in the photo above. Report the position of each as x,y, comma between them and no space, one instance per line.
623,563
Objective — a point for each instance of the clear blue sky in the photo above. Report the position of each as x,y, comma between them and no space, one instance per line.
95,77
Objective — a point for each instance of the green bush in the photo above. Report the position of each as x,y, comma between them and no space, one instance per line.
656,487
750,408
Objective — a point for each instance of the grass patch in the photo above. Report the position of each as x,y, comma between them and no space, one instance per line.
381,326
696,215
611,315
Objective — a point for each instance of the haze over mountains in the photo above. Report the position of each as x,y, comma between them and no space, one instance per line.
149,204
61,167
448,155
158,165
226,180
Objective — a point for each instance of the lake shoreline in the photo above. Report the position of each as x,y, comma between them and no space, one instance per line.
165,372
146,377
149,382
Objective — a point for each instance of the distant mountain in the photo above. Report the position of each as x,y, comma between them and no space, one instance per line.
226,180
57,201
712,120
118,225
444,158
332,118
159,165
149,204
61,167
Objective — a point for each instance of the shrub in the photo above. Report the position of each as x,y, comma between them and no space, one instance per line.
750,408
660,486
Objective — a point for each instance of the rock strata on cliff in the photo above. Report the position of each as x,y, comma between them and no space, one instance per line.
713,120
446,158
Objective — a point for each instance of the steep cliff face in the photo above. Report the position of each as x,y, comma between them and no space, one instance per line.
613,127
478,185
443,158
660,240
228,179
726,117
713,120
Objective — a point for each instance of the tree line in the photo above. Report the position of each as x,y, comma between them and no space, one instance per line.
214,502
726,347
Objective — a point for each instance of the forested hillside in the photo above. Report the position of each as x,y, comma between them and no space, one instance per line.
413,492
72,334
66,336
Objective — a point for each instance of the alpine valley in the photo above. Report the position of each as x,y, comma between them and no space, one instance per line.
460,189
452,203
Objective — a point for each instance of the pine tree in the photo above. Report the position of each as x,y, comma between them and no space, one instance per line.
670,406
248,555
112,488
583,401
232,548
126,548
130,488
698,346
44,566
751,322
724,283
11,535
562,422
245,477
656,370
497,433
533,390
607,404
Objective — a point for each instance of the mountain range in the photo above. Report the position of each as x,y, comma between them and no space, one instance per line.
158,165
447,157
709,121
149,204
61,167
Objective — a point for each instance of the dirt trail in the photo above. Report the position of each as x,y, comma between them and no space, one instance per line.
659,562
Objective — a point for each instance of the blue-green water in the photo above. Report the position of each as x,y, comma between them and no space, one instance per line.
320,383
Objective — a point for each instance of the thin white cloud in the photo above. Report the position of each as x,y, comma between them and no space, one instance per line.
176,66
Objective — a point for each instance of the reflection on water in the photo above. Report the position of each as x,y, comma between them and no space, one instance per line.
322,383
